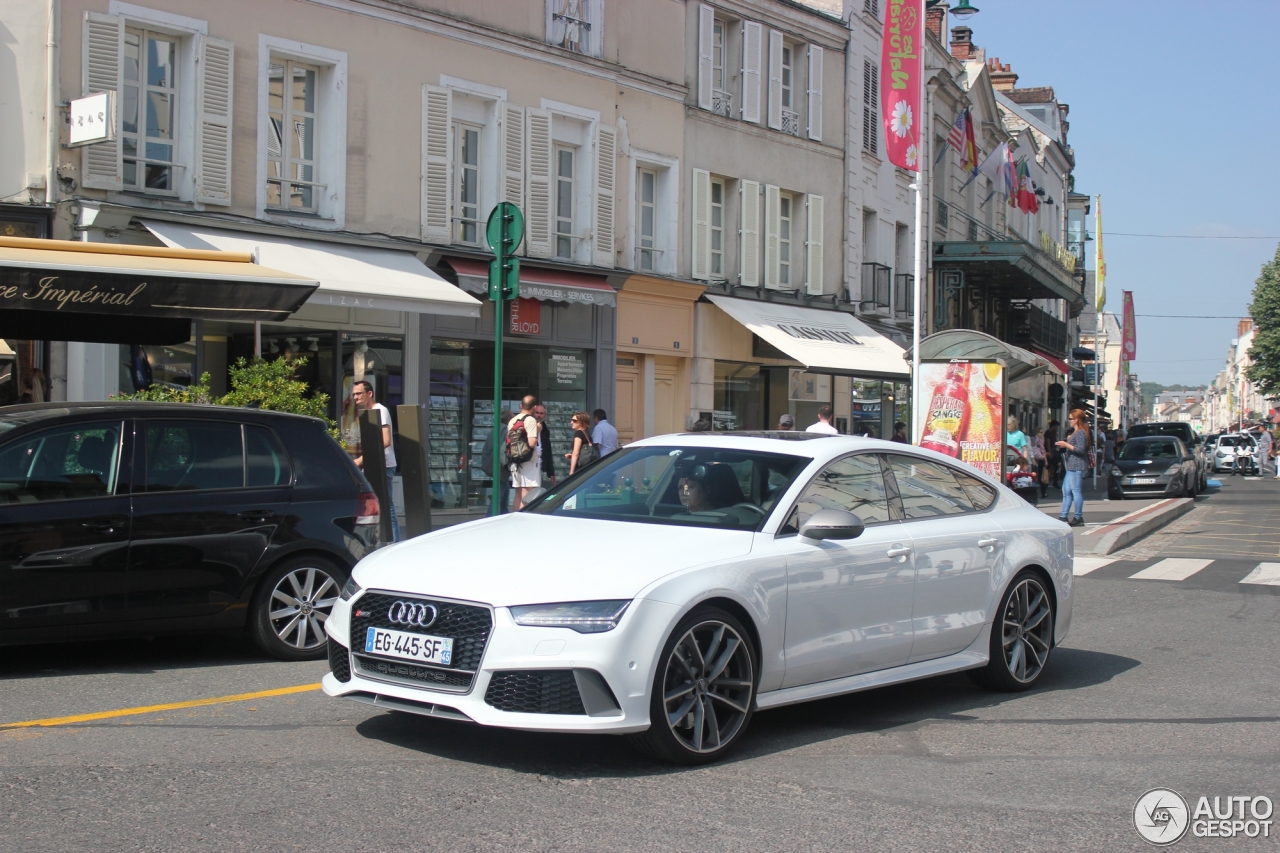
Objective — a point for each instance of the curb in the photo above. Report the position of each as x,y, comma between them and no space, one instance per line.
1124,531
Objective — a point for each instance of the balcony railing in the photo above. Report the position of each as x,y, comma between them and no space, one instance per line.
1033,326
791,122
722,103
876,288
903,295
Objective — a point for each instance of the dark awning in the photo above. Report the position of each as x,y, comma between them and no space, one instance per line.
1013,268
65,290
548,285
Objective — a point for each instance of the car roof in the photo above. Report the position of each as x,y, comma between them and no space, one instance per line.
32,413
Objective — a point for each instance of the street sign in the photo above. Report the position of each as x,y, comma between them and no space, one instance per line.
504,232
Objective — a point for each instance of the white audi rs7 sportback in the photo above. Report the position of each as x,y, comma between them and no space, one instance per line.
676,586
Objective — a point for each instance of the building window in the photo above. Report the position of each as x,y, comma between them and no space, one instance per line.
291,137
717,229
149,108
647,219
872,8
467,138
784,240
717,56
576,25
565,157
870,92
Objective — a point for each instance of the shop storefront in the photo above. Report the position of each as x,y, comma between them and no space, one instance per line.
558,345
757,360
655,351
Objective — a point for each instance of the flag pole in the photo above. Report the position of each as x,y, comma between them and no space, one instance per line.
1098,284
919,243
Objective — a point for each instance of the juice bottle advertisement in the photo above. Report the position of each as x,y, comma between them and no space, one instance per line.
964,416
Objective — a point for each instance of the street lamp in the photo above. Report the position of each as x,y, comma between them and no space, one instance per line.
962,9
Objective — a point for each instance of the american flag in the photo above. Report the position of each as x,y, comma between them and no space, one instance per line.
956,137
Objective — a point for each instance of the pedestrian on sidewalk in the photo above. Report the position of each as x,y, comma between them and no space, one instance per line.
1039,463
1264,451
1076,450
526,464
502,482
603,433
823,424
584,450
544,444
362,396
786,422
899,433
1052,456
1017,441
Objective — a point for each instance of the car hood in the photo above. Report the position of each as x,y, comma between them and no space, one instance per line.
522,558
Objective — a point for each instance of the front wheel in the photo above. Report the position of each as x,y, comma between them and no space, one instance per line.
288,612
703,692
1021,637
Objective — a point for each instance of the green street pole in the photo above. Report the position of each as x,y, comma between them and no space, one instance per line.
503,232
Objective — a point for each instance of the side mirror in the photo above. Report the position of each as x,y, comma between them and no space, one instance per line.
832,524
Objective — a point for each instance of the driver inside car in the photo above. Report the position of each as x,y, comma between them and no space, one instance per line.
710,487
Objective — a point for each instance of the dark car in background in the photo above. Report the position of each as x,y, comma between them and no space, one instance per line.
1152,466
153,518
1188,436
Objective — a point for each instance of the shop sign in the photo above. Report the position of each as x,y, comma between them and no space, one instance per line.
965,416
566,370
564,294
526,317
92,119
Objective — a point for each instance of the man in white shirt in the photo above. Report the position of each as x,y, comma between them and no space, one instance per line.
824,423
603,433
362,394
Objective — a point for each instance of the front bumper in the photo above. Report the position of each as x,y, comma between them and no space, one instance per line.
1165,484
622,660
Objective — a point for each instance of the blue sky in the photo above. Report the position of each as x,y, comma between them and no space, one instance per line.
1174,121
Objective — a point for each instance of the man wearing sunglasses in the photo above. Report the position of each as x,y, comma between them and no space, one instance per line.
362,394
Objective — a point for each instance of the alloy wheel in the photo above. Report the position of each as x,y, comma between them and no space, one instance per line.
301,602
707,688
1027,630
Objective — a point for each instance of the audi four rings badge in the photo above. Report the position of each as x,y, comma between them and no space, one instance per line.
412,613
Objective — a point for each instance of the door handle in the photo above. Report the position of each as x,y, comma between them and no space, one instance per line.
255,515
900,551
990,542
104,525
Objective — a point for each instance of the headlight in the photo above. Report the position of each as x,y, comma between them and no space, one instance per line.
1116,472
1173,469
585,617
350,589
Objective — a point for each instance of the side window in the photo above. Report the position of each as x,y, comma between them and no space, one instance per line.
928,489
61,464
265,461
853,484
979,493
190,455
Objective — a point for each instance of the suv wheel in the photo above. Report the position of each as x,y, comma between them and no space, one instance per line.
704,690
289,609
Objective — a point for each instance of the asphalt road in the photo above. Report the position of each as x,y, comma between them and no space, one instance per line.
1162,683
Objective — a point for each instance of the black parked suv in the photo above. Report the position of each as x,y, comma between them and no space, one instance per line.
150,518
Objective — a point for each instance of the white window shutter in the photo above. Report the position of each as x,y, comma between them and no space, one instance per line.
215,85
706,46
512,187
772,229
775,79
595,37
815,92
752,45
102,166
813,259
602,247
701,238
538,159
749,242
437,165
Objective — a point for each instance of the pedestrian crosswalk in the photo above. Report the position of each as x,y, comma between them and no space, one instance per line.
1242,575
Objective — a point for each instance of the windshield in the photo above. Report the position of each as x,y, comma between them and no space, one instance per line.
1235,441
692,486
1154,448
1181,431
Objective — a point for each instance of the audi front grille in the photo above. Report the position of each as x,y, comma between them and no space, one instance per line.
538,691
468,625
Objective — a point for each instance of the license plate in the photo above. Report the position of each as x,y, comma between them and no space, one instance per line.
1136,481
414,647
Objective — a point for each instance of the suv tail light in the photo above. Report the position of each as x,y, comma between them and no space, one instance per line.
367,509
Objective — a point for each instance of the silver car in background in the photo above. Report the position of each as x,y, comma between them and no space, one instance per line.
1223,455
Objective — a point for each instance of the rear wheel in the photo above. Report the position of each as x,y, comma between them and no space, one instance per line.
1021,637
289,609
703,692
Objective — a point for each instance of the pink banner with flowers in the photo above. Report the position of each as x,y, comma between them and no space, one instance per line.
1130,329
900,69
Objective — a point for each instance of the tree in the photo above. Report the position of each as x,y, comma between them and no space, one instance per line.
1264,372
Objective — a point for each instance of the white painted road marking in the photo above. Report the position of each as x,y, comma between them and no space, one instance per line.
1172,569
1084,565
1264,573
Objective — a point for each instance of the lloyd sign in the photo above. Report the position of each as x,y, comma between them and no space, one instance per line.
93,119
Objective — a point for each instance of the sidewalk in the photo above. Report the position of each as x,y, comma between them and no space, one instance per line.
1136,518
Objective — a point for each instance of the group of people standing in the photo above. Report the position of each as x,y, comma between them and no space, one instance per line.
593,438
1059,459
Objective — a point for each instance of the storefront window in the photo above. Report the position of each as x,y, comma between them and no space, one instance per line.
146,366
865,409
454,426
902,403
378,361
739,396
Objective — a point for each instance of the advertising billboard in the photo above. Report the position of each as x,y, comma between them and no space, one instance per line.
965,414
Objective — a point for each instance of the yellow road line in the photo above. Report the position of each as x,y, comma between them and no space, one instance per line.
151,709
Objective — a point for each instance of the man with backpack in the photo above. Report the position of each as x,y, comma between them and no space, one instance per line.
522,455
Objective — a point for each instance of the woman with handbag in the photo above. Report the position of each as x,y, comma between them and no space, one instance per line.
585,451
1078,451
